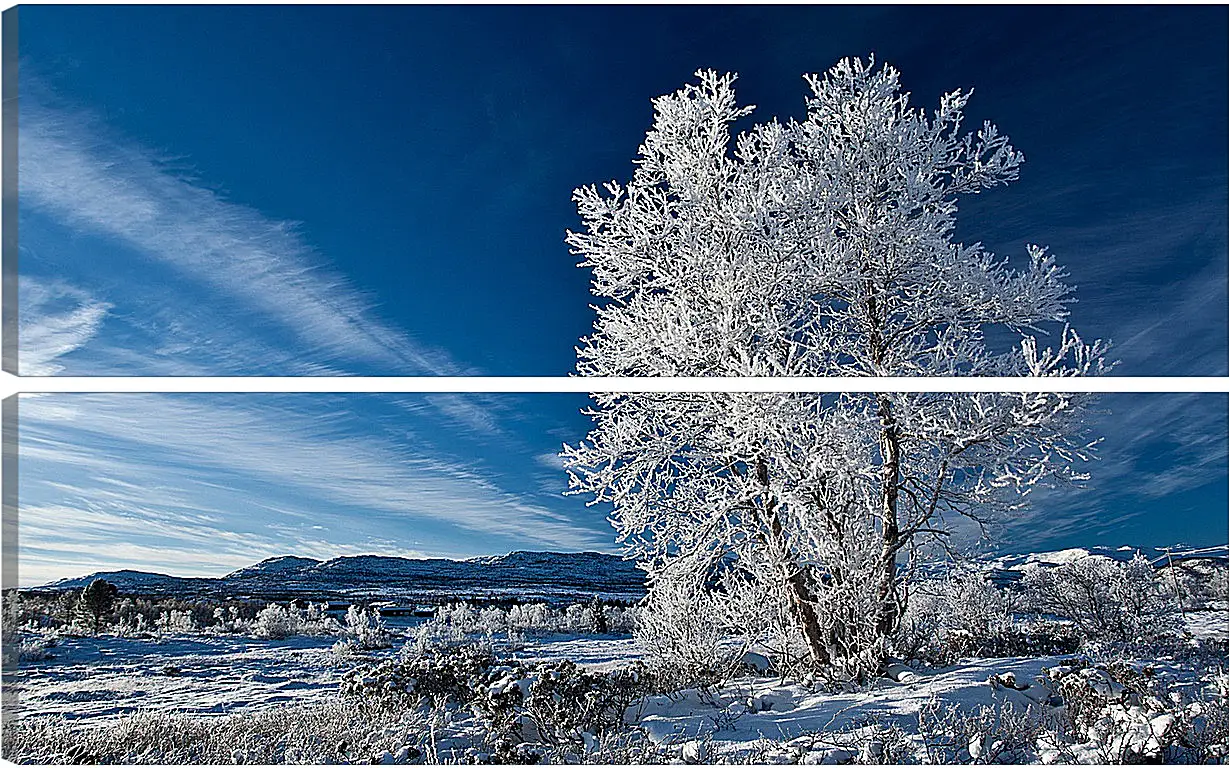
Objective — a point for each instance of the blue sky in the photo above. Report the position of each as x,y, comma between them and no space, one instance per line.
384,190
204,484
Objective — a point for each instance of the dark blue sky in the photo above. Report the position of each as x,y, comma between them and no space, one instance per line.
384,190
428,154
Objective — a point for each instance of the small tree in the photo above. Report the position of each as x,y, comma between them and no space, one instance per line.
595,614
816,248
96,601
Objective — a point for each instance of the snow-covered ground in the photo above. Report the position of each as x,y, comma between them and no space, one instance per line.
104,676
601,654
92,677
781,711
95,680
97,677
1211,624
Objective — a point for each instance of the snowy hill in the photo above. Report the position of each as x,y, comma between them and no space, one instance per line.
1010,568
524,575
286,563
136,582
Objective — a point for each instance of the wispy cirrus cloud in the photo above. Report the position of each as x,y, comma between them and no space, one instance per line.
300,317
1156,448
71,170
1187,336
56,320
253,475
194,486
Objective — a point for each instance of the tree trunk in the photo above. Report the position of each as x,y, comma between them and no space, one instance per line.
889,445
796,587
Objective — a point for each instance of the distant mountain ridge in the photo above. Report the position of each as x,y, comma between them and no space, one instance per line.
552,576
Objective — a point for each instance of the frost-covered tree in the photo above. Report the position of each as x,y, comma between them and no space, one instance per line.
823,247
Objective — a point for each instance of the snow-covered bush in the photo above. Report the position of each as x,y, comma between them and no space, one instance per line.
227,620
558,703
460,622
437,676
366,629
38,647
548,706
1200,584
952,734
1119,712
277,622
879,741
439,634
1206,736
176,623
1123,602
687,636
961,614
131,626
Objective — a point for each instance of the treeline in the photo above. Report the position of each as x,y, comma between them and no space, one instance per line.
99,607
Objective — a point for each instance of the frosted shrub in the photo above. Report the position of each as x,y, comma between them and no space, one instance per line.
622,619
686,635
452,624
1217,586
366,629
277,622
558,704
438,634
1200,585
575,619
1108,600
525,710
961,614
952,734
226,620
1117,713
531,616
37,648
492,620
176,623
460,615
131,626
434,675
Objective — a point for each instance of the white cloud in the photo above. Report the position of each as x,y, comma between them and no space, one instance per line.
1156,445
152,459
550,461
70,171
56,319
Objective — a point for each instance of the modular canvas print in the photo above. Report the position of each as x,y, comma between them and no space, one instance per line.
615,385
